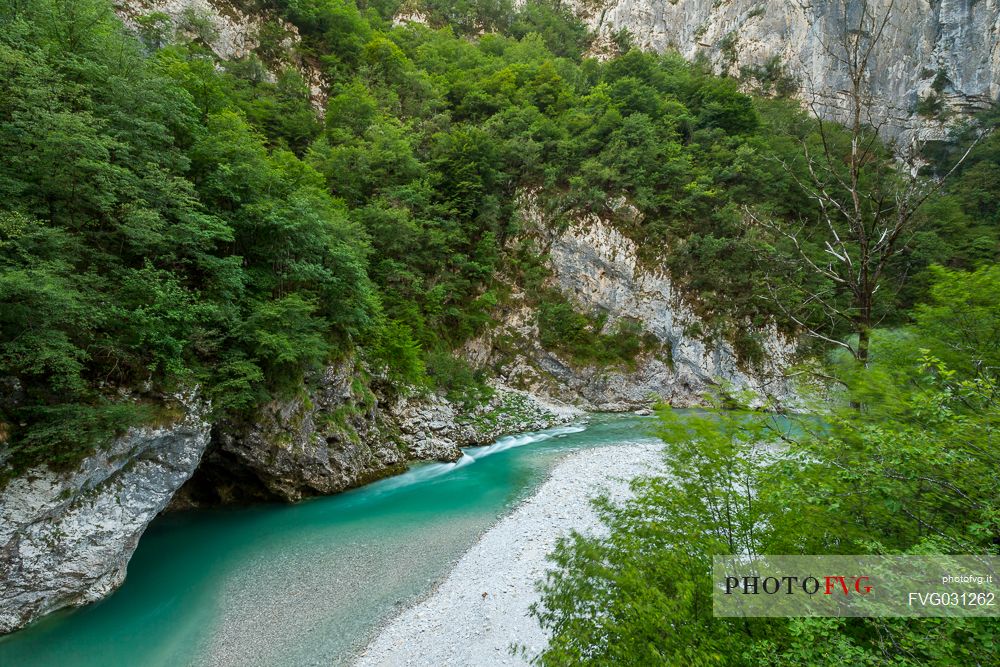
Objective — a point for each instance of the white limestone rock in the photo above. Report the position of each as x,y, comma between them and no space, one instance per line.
66,537
959,37
598,268
337,434
234,33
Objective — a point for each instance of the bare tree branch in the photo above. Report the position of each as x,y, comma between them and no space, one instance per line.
867,193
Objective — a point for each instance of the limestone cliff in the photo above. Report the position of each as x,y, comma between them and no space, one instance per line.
226,27
66,537
337,434
944,50
599,269
949,48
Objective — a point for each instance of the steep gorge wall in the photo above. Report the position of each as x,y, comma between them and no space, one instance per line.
944,48
229,30
599,270
337,433
66,536
959,38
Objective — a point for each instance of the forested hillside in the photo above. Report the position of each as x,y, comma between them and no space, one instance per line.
168,219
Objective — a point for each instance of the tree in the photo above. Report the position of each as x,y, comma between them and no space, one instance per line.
961,319
642,594
867,193
916,473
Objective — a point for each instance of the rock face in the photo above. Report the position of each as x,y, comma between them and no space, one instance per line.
230,28
328,438
338,434
435,428
66,538
229,31
958,38
946,49
598,268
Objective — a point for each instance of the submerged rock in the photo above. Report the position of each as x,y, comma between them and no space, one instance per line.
66,537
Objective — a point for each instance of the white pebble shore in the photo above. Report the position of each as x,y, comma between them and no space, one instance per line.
481,609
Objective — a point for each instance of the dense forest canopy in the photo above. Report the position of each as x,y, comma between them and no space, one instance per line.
169,220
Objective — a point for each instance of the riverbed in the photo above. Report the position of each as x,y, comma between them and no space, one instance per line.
305,584
481,613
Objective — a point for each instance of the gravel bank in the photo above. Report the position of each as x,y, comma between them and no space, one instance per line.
481,608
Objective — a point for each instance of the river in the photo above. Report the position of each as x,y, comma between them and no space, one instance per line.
304,584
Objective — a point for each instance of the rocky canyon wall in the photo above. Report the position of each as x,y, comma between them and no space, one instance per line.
66,536
337,433
944,48
599,270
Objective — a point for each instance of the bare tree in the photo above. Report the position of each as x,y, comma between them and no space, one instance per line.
868,190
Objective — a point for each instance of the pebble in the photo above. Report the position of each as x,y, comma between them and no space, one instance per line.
490,589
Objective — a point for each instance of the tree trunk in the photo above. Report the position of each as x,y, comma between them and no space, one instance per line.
864,339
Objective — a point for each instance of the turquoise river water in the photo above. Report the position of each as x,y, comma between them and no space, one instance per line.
305,584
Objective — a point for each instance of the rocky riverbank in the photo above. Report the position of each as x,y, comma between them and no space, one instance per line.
481,608
66,536
342,431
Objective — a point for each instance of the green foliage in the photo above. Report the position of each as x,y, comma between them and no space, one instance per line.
150,237
272,38
400,354
154,29
469,16
960,322
941,81
905,463
64,432
459,381
432,136
282,110
772,77
564,34
197,26
643,595
972,234
168,219
931,106
286,337
333,29
561,328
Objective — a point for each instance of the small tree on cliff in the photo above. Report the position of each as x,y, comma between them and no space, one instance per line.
867,191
